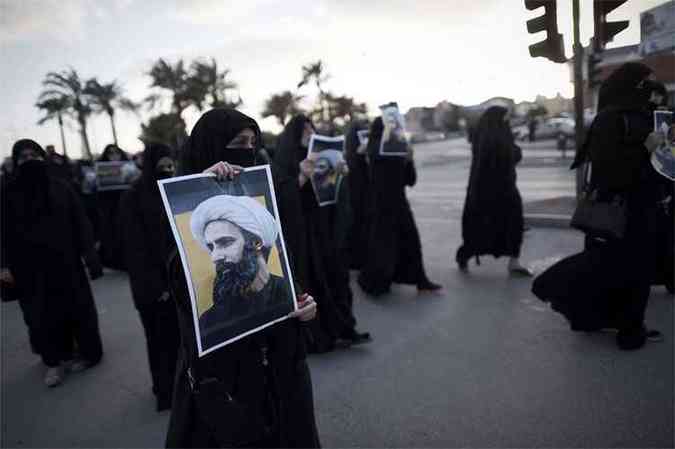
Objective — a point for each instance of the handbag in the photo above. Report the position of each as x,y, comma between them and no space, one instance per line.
232,423
599,217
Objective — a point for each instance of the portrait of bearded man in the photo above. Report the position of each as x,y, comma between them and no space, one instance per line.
238,233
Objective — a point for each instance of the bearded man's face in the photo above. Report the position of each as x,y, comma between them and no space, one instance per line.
235,258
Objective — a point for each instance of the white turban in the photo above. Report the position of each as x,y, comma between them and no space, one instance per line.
242,211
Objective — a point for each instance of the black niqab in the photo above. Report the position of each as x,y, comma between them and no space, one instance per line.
621,89
210,136
152,154
289,152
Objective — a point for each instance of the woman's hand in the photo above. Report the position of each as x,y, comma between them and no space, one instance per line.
654,140
223,170
306,308
6,276
306,171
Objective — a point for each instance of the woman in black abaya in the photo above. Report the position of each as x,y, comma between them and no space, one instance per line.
315,236
358,181
492,221
142,214
394,246
608,284
257,391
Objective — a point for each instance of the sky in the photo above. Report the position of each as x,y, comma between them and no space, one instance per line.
417,53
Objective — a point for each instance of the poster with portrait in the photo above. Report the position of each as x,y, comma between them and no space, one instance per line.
394,141
327,154
663,158
232,248
115,175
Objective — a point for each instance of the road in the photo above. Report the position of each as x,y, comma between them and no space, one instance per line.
484,364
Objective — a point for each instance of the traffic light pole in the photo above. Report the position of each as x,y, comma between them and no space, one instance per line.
578,93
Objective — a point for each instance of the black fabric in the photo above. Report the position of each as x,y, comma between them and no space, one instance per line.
207,143
237,367
160,326
141,223
394,246
240,372
492,219
358,181
316,237
44,253
112,148
619,271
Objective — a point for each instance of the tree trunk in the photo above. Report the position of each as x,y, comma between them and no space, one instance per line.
63,136
85,139
111,114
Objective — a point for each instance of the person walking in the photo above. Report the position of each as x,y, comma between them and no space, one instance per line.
492,220
607,286
45,237
141,212
394,246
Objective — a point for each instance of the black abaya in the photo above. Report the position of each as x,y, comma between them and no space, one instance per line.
492,220
394,246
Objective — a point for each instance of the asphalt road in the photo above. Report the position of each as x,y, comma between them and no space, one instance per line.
484,364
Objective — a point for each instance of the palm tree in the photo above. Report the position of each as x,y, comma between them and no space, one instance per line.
281,106
315,71
105,98
206,78
67,83
55,107
176,79
344,108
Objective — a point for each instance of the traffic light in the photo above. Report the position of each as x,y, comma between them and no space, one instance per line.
553,47
604,30
593,70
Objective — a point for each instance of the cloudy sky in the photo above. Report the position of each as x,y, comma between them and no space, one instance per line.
417,53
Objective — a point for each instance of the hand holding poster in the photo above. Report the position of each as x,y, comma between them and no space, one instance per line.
394,141
327,155
663,158
115,175
363,140
233,254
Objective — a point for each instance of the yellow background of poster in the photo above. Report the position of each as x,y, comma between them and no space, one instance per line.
201,266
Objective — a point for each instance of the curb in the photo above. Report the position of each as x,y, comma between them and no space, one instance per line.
548,220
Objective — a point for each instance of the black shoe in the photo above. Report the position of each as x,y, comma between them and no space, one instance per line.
428,286
631,339
653,335
356,338
462,260
163,403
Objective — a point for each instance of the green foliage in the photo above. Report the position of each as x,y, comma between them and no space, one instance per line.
168,129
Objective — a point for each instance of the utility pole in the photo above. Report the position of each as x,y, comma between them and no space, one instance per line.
578,94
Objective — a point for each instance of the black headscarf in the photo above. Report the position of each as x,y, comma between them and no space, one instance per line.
626,88
23,144
289,153
32,178
621,89
151,156
490,134
105,156
210,136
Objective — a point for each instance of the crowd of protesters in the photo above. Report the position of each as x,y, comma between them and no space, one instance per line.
53,216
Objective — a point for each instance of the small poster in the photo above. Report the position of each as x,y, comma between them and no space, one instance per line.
327,154
115,175
232,248
394,141
663,158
